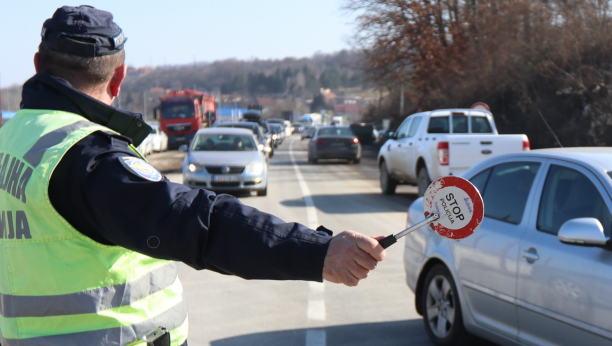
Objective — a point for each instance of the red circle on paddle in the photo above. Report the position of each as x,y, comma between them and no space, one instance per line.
459,205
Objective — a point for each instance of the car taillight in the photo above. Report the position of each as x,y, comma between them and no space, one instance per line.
443,153
355,140
526,145
320,142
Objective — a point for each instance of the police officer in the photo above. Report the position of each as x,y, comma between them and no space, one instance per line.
90,233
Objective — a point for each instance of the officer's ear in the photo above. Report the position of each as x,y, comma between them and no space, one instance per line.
37,62
117,79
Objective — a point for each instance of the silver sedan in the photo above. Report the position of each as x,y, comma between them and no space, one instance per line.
539,269
226,159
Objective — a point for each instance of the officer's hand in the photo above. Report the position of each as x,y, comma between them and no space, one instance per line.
350,257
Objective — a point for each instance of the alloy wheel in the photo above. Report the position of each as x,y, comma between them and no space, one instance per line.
440,306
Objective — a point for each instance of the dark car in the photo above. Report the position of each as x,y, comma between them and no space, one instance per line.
308,132
365,133
297,127
334,142
278,133
268,148
384,135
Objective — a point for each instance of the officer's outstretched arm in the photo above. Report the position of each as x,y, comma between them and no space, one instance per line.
113,204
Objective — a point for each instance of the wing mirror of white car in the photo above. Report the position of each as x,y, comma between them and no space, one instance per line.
183,147
582,231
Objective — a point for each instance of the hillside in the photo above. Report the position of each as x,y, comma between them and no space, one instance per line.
282,78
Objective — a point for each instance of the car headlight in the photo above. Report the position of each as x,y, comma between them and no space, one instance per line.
274,137
256,168
192,167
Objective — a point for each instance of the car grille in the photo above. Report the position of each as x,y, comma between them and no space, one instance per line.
179,127
234,184
219,169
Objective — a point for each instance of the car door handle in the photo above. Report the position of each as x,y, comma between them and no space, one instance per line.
531,255
399,145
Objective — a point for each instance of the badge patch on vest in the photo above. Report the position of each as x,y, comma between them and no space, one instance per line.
141,168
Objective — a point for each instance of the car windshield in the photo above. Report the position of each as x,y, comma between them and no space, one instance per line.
249,127
178,111
336,132
275,128
223,142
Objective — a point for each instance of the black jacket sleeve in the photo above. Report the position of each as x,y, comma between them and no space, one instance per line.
107,202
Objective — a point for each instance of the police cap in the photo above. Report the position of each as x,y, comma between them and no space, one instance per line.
84,31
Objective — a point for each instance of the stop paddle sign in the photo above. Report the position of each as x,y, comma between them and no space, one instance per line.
453,208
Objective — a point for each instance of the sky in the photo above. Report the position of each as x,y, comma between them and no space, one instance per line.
173,33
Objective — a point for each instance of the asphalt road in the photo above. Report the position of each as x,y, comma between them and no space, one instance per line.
229,311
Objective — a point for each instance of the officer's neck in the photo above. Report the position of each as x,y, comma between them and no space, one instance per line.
101,93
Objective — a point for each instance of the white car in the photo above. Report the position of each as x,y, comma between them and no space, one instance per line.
226,159
539,269
431,145
159,140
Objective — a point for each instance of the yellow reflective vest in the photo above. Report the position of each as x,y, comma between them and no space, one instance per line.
58,286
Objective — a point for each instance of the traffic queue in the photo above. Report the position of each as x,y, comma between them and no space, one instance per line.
545,214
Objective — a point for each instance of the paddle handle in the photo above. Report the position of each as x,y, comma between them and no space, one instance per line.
392,239
388,241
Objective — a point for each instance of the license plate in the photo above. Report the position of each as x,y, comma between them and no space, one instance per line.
225,178
337,144
178,139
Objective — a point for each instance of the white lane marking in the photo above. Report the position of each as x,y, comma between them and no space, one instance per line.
311,211
316,303
315,337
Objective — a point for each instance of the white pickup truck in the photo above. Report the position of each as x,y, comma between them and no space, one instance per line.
434,144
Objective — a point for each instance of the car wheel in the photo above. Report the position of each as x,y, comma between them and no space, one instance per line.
423,181
263,192
441,309
387,184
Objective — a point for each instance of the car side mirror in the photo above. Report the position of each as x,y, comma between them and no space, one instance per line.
183,148
393,135
582,231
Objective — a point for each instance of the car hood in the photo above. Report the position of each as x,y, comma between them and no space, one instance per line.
223,158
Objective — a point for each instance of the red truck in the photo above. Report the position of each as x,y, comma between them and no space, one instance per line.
182,113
